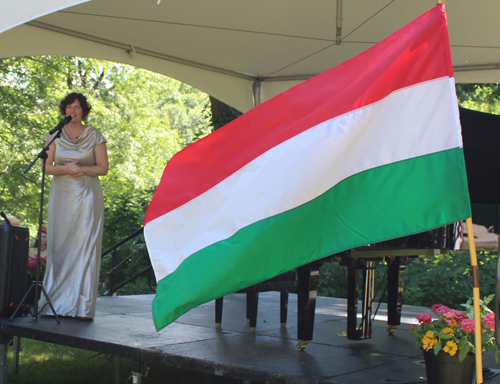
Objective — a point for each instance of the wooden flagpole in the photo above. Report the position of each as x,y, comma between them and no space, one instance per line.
475,279
477,309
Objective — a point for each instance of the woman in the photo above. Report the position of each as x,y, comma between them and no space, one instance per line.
75,213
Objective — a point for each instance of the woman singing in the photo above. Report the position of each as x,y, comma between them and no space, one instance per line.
75,213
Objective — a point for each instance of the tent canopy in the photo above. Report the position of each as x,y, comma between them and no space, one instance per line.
25,10
245,52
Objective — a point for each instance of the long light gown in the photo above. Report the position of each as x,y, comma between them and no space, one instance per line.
74,230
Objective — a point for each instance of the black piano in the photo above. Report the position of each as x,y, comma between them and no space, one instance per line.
361,286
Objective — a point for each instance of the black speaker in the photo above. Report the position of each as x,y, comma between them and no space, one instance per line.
14,250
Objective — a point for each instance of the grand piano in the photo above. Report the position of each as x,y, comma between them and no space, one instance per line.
481,133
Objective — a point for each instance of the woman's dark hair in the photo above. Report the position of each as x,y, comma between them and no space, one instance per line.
69,99
35,245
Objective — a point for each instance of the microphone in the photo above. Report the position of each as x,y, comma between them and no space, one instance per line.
61,124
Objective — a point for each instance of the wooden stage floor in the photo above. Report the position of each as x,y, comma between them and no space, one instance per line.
123,327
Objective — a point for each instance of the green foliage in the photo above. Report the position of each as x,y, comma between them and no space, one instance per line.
222,113
480,97
332,280
145,117
124,214
447,278
24,100
444,278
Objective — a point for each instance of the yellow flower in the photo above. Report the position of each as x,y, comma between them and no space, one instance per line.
451,347
429,342
448,331
430,334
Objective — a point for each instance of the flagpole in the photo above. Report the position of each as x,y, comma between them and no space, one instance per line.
477,310
475,282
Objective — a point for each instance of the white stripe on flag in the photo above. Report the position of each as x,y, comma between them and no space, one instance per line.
309,164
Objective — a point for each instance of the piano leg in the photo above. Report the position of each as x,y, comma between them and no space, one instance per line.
283,307
395,290
218,312
252,305
307,286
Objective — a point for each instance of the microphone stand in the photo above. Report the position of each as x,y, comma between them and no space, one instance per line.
37,285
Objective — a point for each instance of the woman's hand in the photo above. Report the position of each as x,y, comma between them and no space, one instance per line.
74,170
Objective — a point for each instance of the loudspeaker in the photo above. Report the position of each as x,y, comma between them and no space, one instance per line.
14,251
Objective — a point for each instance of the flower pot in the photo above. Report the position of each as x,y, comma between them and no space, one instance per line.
446,369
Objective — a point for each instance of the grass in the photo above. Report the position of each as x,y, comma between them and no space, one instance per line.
46,363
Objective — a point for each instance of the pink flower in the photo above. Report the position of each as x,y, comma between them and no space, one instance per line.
436,306
439,309
411,328
453,317
468,325
424,318
450,318
459,315
32,262
489,320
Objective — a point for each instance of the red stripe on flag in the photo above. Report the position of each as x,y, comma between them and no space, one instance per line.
405,58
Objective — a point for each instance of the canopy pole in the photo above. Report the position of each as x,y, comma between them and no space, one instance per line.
257,91
477,310
338,38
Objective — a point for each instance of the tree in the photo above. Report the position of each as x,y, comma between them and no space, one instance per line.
480,97
145,117
222,113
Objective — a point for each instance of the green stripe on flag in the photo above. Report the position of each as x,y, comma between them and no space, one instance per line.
387,202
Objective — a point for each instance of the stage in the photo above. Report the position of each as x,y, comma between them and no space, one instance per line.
123,327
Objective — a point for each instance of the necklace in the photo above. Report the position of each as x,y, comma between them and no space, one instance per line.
72,136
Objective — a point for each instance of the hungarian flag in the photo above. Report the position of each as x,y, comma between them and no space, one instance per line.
368,151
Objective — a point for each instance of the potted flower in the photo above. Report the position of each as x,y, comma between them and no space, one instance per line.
32,269
30,299
448,341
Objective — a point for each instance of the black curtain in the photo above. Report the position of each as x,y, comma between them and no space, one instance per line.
481,137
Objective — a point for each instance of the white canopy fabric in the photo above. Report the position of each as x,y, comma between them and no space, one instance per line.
245,52
18,12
